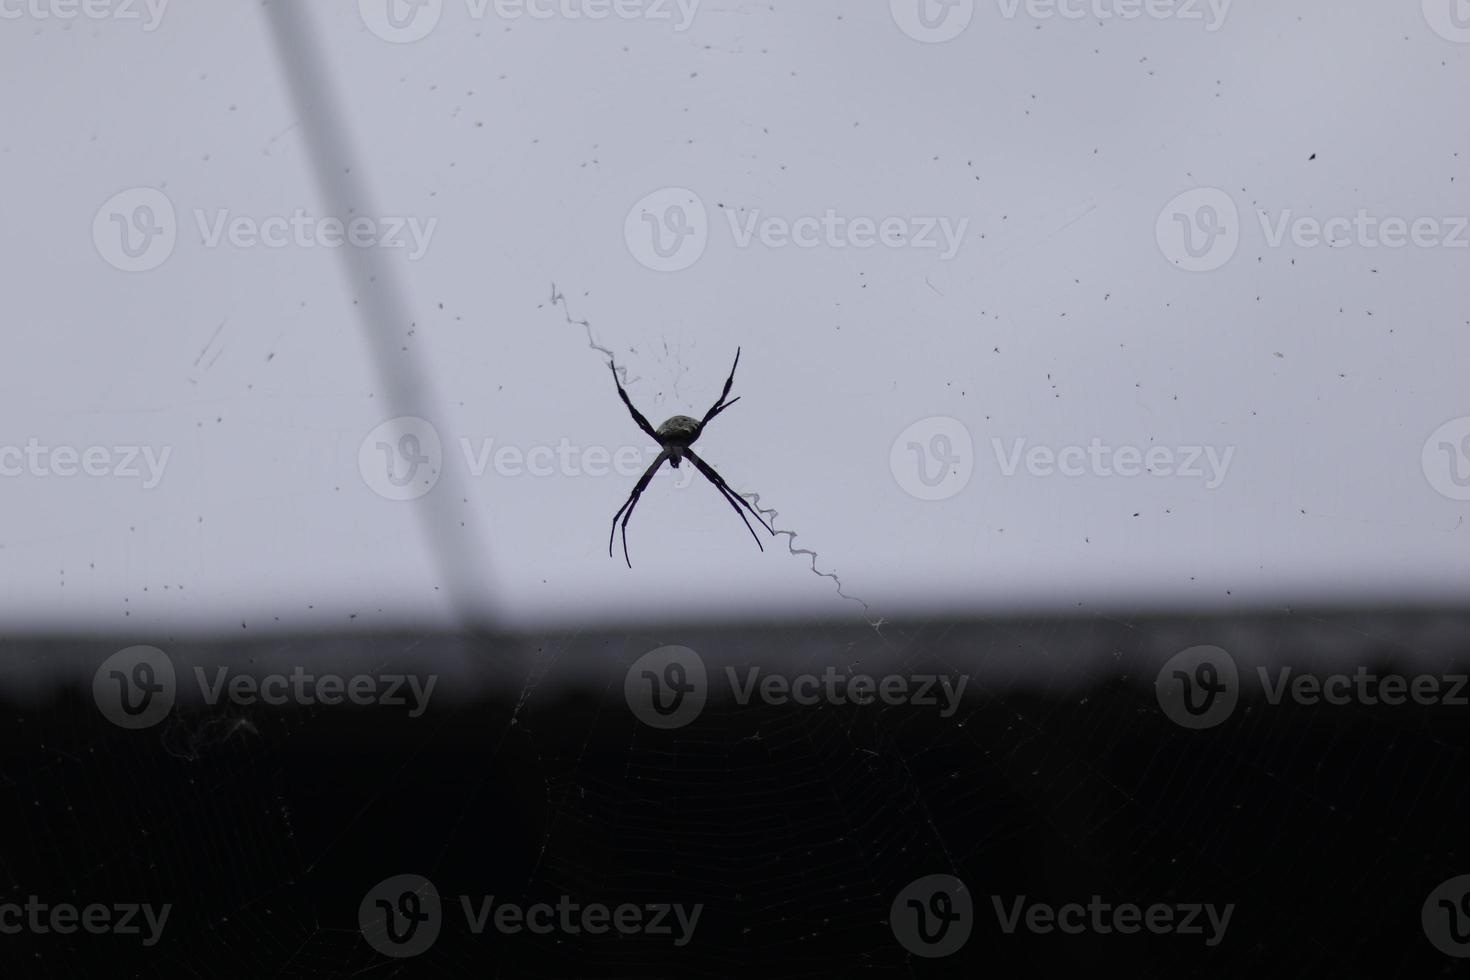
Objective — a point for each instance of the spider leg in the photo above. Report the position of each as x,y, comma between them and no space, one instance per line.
717,410
628,506
721,405
731,495
730,499
637,415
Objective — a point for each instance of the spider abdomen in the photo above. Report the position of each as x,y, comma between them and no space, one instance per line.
678,431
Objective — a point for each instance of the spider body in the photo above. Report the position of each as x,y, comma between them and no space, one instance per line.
675,438
676,435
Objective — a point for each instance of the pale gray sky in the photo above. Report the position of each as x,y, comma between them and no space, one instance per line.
1301,386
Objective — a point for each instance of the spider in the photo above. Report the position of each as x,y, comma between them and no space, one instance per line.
676,436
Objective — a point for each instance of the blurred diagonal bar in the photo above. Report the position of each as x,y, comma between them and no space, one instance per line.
383,309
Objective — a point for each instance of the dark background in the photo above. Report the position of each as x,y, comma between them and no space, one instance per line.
529,777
